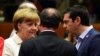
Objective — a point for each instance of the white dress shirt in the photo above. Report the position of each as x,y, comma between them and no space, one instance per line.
12,46
82,36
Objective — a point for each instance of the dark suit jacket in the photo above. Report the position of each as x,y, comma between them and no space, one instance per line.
90,45
47,44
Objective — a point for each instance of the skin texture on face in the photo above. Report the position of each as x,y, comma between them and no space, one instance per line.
70,25
25,23
28,29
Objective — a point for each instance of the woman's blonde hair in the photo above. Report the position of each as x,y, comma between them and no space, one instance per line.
25,14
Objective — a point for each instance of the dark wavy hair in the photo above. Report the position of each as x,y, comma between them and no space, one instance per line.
81,11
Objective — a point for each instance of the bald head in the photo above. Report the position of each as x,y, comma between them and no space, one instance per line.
51,11
50,17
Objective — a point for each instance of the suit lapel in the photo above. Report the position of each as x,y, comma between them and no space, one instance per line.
87,39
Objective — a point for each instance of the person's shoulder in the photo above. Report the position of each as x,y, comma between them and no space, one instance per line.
8,39
93,34
96,34
1,38
95,37
31,41
28,42
95,41
69,48
65,42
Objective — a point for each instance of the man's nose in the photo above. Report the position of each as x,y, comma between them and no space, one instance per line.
64,25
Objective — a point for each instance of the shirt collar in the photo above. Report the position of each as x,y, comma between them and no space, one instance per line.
17,39
85,32
48,30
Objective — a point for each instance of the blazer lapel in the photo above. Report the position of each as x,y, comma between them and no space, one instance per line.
87,39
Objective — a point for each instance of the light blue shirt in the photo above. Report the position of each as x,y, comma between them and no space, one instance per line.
82,36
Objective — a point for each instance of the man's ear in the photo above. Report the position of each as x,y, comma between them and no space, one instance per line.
78,20
39,27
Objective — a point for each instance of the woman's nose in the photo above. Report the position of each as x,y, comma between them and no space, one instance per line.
34,28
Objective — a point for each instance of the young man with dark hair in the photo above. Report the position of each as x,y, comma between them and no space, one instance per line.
77,21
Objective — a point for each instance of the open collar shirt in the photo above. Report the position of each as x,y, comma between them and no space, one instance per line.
82,36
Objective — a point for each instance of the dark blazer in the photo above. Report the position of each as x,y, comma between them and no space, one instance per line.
90,45
47,44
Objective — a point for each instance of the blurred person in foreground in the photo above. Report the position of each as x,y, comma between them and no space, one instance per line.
77,21
25,23
47,43
1,45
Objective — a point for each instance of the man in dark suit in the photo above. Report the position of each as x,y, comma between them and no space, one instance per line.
47,43
76,21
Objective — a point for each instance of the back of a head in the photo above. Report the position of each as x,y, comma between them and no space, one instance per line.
81,11
50,18
27,4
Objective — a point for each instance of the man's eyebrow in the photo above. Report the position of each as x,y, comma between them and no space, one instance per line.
65,20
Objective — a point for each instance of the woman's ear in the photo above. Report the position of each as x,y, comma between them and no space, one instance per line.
19,26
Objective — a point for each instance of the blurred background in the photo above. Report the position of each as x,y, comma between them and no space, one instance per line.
8,7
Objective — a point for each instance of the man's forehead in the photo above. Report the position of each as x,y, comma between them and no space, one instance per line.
67,14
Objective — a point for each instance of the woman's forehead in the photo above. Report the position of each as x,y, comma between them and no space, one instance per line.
31,20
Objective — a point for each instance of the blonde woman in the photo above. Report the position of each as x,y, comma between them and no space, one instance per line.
25,22
25,4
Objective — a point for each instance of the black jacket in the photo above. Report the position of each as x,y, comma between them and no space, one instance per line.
47,44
